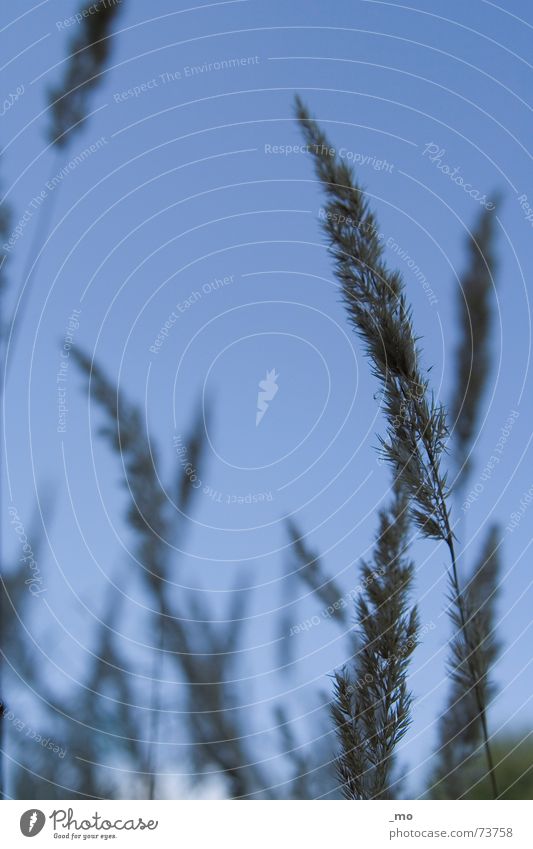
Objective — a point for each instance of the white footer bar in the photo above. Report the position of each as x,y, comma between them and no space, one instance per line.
267,825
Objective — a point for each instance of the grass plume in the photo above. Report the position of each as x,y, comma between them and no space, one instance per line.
372,703
416,428
312,574
202,652
476,308
89,51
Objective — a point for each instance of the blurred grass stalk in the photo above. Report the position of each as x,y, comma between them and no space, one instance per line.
69,102
459,731
184,632
5,228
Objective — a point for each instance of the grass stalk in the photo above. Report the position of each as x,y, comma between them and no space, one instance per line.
417,432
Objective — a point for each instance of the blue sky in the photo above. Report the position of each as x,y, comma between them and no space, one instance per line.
195,202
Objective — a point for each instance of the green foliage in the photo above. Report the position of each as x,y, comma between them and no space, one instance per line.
514,767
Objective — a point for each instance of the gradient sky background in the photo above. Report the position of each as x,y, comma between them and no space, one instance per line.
183,191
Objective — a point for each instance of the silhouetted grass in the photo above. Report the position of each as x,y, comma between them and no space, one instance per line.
377,307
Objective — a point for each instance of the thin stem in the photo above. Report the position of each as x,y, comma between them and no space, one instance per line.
481,706
155,705
2,722
7,345
34,256
479,700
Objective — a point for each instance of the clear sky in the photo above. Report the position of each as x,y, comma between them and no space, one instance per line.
195,210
